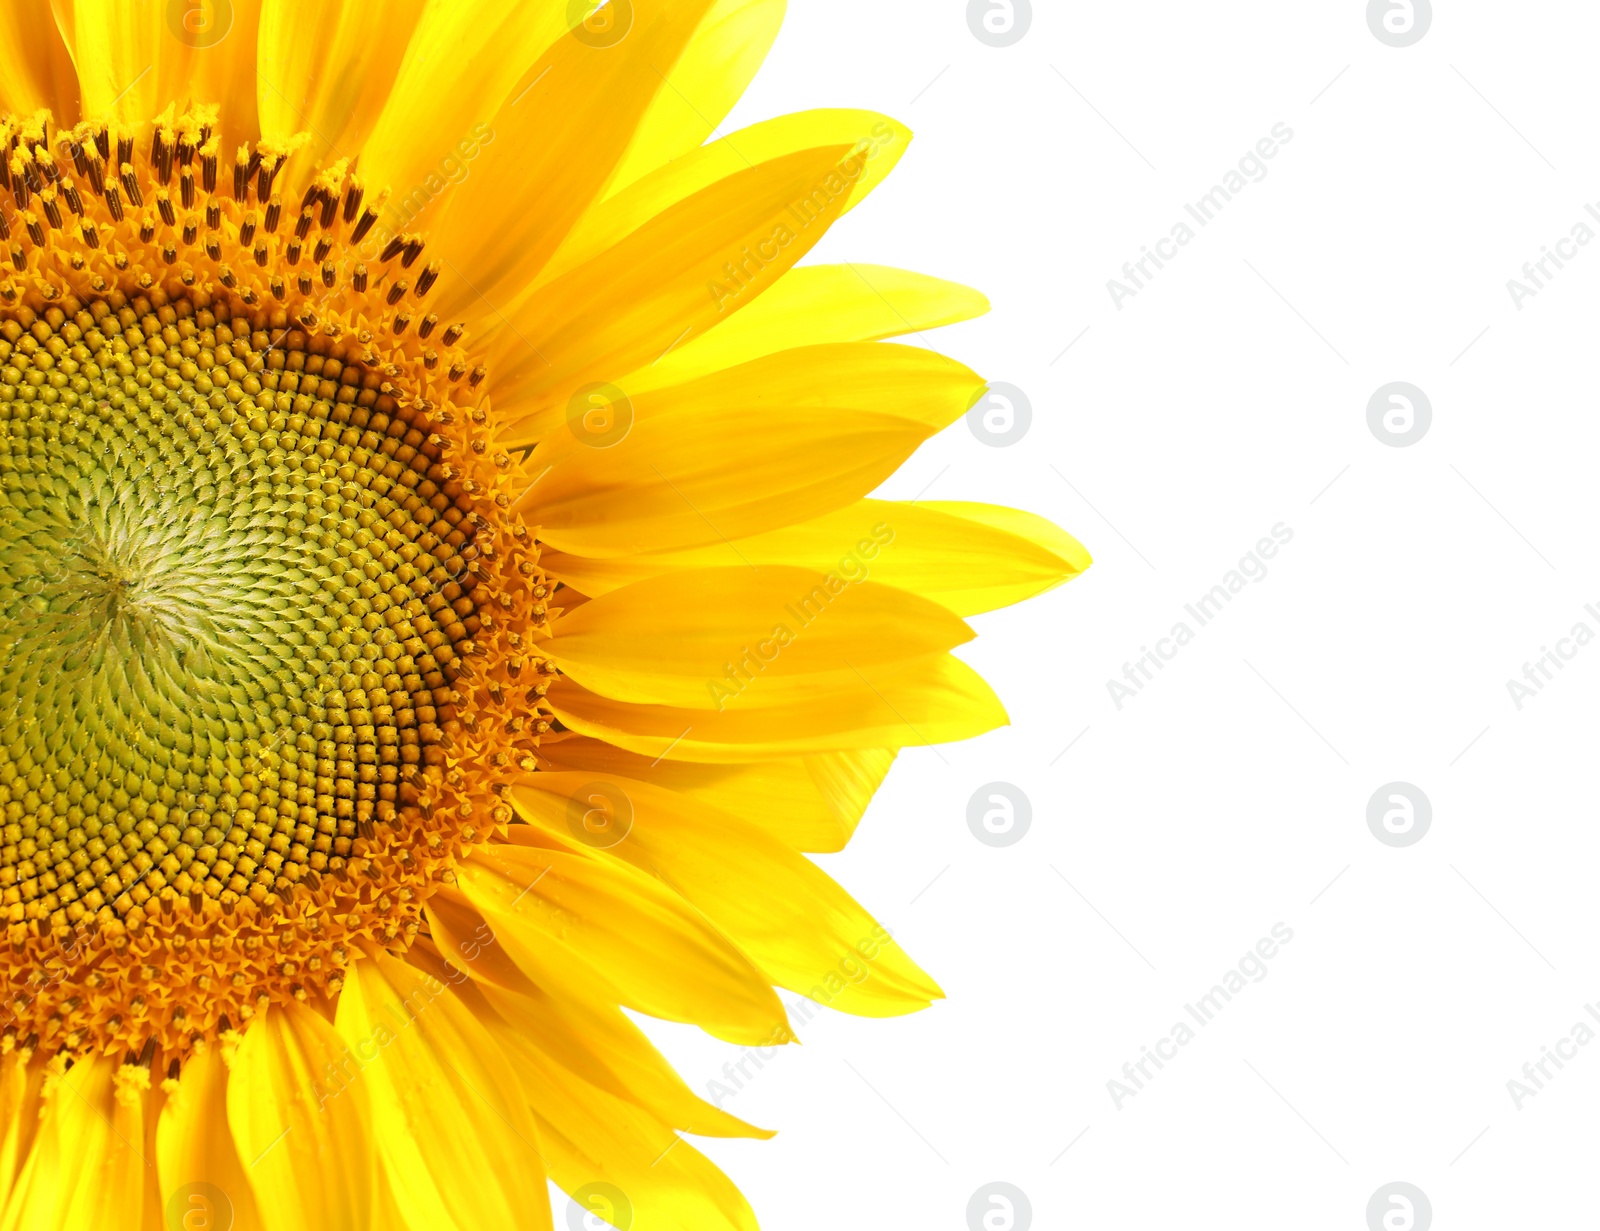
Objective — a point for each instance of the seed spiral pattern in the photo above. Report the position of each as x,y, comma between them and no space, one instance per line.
183,592
268,624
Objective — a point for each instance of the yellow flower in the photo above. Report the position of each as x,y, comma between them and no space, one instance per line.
440,602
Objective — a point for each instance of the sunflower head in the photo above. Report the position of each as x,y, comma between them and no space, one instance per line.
435,545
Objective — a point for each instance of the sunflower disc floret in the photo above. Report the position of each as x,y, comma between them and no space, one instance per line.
265,622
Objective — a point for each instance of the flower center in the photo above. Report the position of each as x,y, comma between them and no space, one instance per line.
264,610
218,647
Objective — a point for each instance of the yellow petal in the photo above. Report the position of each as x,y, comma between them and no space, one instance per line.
703,474
774,442
925,701
1000,556
386,1212
658,287
194,1147
325,69
589,1036
35,67
462,62
573,918
87,1169
809,803
804,931
815,305
19,1116
129,64
714,638
300,1123
221,35
702,87
848,781
874,143
459,1149
969,558
556,144
619,1163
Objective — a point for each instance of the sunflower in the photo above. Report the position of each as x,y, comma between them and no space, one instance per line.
440,601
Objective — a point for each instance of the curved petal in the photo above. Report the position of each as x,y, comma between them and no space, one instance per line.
699,474
35,66
301,1123
712,638
875,144
816,305
674,277
619,1162
222,62
804,931
590,1037
969,558
87,1169
325,69
129,64
924,701
458,1153
460,65
556,144
996,557
768,444
193,1144
811,803
19,1116
386,1212
848,780
575,917
701,88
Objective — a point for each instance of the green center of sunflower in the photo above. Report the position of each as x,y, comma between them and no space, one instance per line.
268,624
222,625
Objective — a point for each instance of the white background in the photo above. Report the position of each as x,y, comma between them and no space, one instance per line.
1231,793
